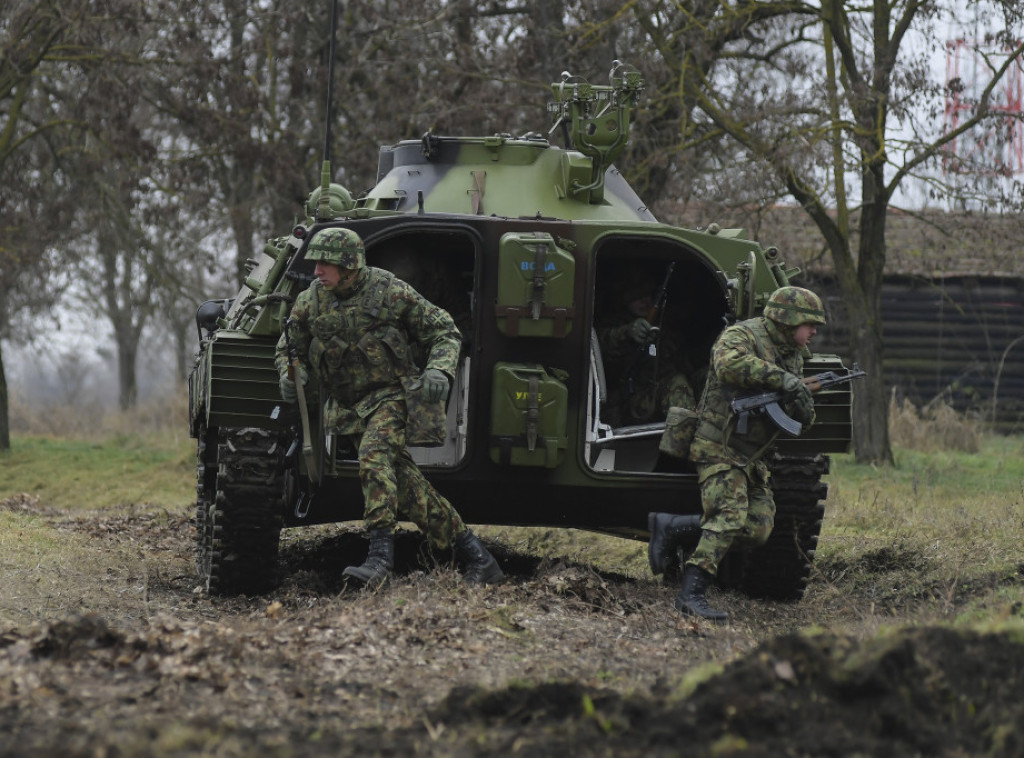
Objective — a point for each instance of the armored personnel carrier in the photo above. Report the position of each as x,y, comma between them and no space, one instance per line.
529,245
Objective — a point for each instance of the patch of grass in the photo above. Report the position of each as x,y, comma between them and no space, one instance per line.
52,573
940,526
941,530
696,676
1001,606
997,467
80,474
29,534
165,416
938,495
603,552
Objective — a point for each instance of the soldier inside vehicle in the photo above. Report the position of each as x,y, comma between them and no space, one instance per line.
655,318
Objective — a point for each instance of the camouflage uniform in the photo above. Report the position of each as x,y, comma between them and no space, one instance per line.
757,355
357,339
642,387
748,357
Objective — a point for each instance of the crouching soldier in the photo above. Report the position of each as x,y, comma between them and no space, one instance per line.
354,326
760,354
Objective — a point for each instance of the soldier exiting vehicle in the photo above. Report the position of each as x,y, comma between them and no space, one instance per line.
764,353
355,326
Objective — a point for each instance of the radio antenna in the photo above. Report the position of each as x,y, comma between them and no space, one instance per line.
323,210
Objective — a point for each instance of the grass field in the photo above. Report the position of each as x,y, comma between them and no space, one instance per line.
935,518
907,642
940,517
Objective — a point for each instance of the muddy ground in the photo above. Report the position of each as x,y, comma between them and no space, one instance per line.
121,654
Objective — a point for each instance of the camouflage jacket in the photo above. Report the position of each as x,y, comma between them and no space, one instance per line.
751,356
638,381
358,343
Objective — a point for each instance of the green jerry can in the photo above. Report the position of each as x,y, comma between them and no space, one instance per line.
528,411
536,279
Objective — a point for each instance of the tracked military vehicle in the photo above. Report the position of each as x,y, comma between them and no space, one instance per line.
528,244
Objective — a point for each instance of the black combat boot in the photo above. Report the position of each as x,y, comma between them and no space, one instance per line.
379,564
668,532
691,601
481,568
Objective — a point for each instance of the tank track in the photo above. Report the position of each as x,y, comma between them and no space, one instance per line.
780,569
239,510
206,494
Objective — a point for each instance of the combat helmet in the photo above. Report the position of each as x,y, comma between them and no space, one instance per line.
339,199
342,247
793,306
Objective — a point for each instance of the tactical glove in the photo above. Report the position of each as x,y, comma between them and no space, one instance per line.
799,397
791,384
288,392
640,331
435,385
803,409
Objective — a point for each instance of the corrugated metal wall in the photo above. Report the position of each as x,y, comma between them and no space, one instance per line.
955,336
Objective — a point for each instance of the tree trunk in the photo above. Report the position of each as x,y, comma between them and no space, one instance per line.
871,402
860,287
184,339
871,411
5,418
127,354
546,31
243,228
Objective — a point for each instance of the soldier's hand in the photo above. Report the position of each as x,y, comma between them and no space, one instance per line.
288,393
640,331
803,409
799,396
287,386
791,384
435,385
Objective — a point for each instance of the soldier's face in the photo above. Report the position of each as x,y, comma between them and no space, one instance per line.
332,275
641,306
804,334
329,274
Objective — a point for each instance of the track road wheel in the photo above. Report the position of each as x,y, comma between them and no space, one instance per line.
780,569
238,528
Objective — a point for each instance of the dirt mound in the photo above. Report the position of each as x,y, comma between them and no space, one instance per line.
918,692
923,692
932,691
71,639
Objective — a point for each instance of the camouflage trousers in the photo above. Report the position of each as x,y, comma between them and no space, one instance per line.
393,484
650,401
739,511
678,394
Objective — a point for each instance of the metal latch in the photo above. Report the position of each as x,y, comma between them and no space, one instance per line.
540,259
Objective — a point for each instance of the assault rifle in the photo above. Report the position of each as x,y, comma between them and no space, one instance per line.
768,402
657,310
661,296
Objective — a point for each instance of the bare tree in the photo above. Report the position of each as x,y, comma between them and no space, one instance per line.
241,82
820,95
114,173
35,42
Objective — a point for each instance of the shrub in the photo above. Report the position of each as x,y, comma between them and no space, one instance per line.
935,427
159,416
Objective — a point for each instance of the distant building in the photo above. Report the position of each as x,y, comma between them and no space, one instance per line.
952,303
